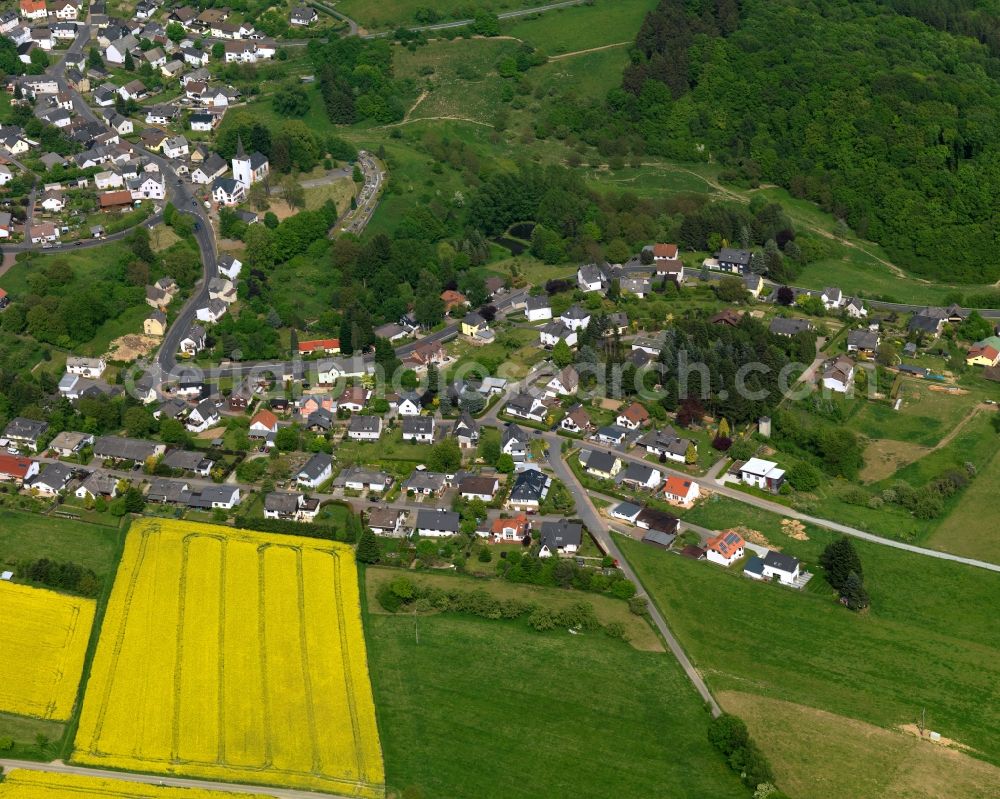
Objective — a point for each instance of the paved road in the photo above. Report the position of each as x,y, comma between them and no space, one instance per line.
784,510
598,527
58,767
177,192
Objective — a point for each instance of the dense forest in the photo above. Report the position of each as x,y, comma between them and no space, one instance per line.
883,113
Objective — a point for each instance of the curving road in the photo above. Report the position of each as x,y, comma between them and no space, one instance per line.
177,192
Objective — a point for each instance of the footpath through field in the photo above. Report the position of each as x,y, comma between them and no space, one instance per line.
58,767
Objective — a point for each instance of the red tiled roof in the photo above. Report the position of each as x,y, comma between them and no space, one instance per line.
518,522
726,543
677,486
664,250
266,418
635,413
32,5
14,465
319,344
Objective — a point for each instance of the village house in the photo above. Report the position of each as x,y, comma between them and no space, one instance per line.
387,521
725,548
365,428
560,538
525,406
537,309
761,474
565,384
599,463
734,261
484,488
838,374
290,506
681,491
863,342
437,523
466,430
419,429
633,417
316,471
640,477
576,420
15,469
530,489
513,442
555,331
24,434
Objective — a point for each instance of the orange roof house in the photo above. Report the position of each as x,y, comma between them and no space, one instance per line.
681,490
452,298
665,251
725,547
633,416
32,6
510,529
331,346
264,420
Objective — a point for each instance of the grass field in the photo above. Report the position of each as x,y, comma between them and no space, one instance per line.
924,418
393,13
45,638
928,640
968,530
493,710
581,27
194,674
608,610
21,784
817,755
28,536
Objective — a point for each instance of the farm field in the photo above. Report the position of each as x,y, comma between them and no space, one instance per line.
23,784
910,650
195,675
817,755
491,709
45,638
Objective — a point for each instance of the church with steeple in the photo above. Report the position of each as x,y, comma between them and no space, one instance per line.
249,169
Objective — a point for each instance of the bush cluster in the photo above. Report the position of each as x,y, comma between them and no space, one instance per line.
519,567
401,594
729,735
68,576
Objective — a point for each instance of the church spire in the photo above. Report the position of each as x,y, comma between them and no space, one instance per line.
240,152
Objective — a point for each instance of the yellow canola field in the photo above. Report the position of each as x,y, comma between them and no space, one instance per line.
21,784
44,643
234,655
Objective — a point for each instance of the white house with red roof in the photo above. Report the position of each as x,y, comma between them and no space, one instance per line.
327,346
725,548
633,417
681,490
263,423
15,469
